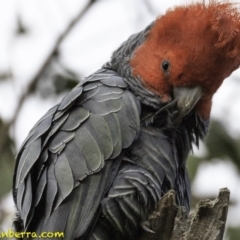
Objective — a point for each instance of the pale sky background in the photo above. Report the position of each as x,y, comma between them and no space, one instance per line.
87,48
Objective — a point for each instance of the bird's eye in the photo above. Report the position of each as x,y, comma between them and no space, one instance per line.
165,65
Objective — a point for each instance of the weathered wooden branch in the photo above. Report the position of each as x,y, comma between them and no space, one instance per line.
171,222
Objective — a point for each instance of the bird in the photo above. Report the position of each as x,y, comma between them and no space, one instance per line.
96,164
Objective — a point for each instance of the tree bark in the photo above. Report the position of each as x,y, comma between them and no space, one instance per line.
171,222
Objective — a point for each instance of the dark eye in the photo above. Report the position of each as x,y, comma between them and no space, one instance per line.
165,65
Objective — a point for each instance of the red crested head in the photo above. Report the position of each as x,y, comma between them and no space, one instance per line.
189,46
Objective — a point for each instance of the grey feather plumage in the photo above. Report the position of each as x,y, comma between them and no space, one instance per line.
95,122
96,165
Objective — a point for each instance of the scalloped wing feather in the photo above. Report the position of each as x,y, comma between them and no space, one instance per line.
62,165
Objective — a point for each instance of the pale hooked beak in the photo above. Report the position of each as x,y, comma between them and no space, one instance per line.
187,99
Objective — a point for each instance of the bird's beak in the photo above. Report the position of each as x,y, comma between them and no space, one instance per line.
186,100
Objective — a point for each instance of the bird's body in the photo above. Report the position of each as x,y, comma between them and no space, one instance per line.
96,165
105,138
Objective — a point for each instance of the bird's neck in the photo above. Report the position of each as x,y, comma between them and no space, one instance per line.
120,62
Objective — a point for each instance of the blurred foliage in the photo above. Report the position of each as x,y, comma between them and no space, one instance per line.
8,150
221,145
233,233
63,83
65,79
193,164
56,79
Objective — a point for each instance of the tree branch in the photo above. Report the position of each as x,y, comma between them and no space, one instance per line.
50,57
149,7
170,222
35,79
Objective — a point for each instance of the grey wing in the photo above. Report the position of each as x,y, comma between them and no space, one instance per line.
71,156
